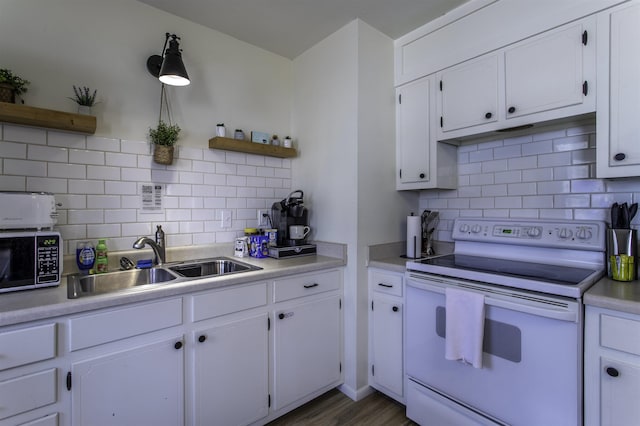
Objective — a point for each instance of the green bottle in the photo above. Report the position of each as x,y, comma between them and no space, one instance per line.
102,261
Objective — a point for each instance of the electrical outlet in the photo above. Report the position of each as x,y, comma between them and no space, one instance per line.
263,221
225,218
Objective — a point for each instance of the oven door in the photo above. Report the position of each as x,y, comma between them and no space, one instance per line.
532,354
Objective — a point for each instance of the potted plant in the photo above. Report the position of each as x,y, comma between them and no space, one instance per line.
11,85
84,98
164,137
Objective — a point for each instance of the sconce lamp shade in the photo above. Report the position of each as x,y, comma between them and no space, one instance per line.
170,69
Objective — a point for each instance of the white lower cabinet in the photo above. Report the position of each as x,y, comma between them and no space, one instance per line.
612,367
139,386
239,355
386,318
28,375
231,372
307,351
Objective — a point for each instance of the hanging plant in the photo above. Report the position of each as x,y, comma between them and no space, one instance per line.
165,134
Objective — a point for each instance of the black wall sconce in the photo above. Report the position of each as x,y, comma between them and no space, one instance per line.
169,67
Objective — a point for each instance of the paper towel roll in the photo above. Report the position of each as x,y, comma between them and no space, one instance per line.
414,237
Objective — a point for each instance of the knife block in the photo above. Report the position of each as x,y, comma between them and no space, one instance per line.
622,247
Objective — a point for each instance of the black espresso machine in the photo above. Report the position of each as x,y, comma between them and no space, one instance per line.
285,213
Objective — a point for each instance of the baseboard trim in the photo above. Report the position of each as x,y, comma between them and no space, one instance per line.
354,394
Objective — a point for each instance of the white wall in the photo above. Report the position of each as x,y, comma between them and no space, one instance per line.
105,44
344,112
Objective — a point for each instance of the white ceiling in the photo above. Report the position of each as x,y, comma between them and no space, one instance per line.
289,27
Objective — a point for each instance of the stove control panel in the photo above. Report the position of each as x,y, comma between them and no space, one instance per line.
574,234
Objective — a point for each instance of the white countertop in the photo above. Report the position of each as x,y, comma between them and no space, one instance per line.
30,305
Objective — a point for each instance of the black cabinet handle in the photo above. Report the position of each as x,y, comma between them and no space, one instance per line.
511,110
311,285
421,175
613,372
585,37
202,338
585,88
281,316
394,309
385,285
178,345
488,115
619,156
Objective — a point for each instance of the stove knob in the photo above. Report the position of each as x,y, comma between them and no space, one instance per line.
464,228
534,232
565,233
584,234
476,228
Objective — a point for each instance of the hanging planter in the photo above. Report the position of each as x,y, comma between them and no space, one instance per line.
164,136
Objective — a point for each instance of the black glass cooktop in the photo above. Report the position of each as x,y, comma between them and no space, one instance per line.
526,270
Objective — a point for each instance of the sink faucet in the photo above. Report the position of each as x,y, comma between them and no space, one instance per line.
158,250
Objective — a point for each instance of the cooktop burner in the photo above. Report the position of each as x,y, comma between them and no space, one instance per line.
532,271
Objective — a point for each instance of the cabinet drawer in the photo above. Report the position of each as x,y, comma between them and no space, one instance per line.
107,326
50,420
305,285
386,283
221,302
27,393
21,347
620,333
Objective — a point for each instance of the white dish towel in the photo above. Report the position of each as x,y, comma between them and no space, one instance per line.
464,326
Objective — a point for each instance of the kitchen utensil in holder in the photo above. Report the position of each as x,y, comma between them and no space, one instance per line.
621,254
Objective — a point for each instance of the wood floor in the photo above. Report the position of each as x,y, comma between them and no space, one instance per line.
335,409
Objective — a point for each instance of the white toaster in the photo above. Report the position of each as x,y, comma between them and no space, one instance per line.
27,210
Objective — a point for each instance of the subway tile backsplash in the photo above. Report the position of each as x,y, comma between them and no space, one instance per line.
545,175
97,180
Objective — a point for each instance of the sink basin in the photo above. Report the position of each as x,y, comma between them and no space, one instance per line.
209,267
87,285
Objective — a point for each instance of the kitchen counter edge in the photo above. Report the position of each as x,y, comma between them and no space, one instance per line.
32,305
614,295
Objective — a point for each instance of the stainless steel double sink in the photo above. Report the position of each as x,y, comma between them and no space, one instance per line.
89,285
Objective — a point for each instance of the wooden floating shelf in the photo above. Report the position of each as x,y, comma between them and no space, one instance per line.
32,116
229,144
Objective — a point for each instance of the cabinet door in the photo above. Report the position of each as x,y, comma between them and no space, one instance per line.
307,349
619,388
618,150
413,132
140,386
545,73
231,373
387,368
469,94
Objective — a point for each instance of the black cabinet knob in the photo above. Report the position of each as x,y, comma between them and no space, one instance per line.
488,115
178,345
619,156
395,309
281,316
613,372
421,175
202,338
511,110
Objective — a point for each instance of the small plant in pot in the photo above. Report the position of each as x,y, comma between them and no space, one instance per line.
11,86
84,98
164,137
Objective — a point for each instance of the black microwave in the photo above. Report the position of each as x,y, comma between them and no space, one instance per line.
30,259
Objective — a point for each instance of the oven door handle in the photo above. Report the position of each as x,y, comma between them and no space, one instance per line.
490,300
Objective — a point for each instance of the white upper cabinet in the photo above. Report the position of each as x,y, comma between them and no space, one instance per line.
547,72
422,163
618,129
469,94
547,77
